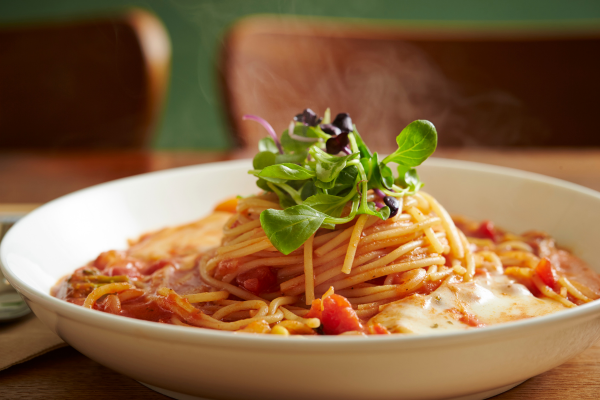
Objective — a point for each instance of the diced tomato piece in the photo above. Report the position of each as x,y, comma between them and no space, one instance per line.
487,230
379,329
160,264
128,269
315,309
338,316
225,267
229,205
546,273
258,280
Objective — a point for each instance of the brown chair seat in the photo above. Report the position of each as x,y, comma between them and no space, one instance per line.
95,83
492,85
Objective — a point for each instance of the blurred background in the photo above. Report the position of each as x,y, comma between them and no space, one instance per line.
178,74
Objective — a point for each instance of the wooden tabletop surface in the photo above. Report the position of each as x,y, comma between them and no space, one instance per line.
66,374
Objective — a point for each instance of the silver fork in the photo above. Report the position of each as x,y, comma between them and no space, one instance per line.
12,306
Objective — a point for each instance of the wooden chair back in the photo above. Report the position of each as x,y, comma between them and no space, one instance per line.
97,83
522,85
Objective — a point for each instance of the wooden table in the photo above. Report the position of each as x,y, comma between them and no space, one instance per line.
66,374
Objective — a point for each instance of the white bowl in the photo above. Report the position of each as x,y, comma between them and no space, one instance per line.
66,233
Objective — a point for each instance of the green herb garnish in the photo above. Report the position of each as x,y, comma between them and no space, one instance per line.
316,170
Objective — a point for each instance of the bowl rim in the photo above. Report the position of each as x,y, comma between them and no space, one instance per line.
202,336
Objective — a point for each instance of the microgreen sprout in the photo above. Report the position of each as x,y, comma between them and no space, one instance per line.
318,171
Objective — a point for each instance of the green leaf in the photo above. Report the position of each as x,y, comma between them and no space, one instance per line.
327,204
285,200
382,176
309,189
371,209
261,183
289,229
291,145
324,185
387,176
296,158
362,147
416,142
286,172
408,178
345,180
263,159
268,144
329,166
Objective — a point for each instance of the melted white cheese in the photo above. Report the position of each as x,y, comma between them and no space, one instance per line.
454,304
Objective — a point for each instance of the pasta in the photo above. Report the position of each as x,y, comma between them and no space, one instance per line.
334,244
241,284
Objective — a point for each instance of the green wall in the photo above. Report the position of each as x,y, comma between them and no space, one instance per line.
193,118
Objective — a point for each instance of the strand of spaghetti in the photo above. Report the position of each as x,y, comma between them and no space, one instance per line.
441,274
468,257
232,247
195,317
310,322
261,306
251,234
492,258
242,228
100,291
335,242
397,222
234,290
352,246
309,284
394,255
374,297
281,301
253,248
367,313
514,244
518,257
548,292
324,238
298,311
296,327
452,231
206,297
294,286
412,282
281,261
294,270
435,242
573,290
390,269
405,230
176,321
422,203
364,291
130,294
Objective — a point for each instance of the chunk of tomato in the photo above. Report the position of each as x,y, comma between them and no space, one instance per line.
337,315
546,273
487,230
258,280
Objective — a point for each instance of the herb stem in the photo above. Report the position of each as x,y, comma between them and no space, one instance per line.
291,191
353,144
268,127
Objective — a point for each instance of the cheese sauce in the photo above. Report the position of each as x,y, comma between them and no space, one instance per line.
487,300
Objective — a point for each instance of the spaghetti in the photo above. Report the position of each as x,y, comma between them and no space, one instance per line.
246,285
334,244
